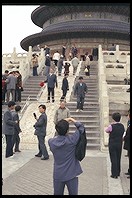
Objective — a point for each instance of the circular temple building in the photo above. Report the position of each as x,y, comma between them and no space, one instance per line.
84,26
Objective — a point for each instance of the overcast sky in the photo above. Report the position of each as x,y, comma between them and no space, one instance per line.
16,25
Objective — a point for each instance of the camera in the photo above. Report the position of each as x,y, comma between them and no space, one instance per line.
34,114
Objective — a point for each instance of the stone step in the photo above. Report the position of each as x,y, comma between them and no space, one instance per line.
32,92
88,127
91,146
85,117
84,113
86,103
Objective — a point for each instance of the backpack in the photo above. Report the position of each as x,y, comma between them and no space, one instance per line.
80,150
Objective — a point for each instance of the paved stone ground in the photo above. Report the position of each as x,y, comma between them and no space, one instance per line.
25,174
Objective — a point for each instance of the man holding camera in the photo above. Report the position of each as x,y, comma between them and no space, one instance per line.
40,130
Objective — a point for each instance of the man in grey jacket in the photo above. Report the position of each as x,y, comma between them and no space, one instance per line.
8,128
80,90
40,130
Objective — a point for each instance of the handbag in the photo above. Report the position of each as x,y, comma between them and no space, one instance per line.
41,84
80,149
86,69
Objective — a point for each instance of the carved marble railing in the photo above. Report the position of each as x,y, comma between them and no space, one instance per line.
22,62
103,99
111,69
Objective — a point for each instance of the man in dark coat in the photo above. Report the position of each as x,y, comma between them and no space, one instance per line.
80,90
65,86
17,129
8,128
40,130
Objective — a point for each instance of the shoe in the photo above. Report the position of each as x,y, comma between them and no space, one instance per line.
77,110
115,177
44,158
81,110
17,151
128,177
48,101
127,173
38,155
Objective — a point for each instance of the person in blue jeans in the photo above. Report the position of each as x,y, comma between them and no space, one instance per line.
66,166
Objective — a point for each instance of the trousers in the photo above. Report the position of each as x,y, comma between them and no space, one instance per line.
72,186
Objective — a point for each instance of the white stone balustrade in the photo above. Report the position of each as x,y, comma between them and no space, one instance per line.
22,62
103,100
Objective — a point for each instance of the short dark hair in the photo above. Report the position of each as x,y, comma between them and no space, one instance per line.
62,127
17,108
43,106
6,71
11,103
80,78
116,117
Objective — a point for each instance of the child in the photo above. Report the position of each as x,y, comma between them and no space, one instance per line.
116,131
66,67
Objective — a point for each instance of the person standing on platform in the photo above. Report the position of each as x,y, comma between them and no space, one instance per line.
80,90
115,130
8,128
40,130
126,145
66,166
17,129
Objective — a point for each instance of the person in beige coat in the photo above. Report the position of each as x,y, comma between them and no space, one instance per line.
61,113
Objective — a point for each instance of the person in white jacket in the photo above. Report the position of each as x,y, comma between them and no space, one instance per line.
56,57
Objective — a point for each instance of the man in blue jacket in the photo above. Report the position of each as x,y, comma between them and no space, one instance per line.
66,166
